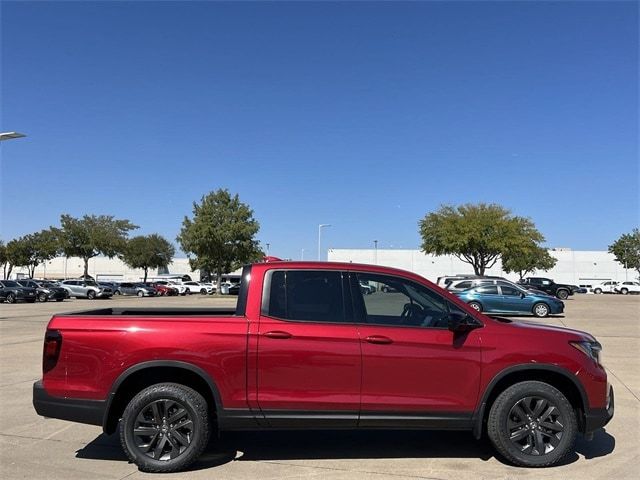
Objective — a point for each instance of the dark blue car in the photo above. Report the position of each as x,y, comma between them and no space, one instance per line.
510,300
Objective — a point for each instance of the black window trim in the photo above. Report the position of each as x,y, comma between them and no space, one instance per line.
266,295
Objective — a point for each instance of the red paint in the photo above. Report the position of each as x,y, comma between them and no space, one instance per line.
261,362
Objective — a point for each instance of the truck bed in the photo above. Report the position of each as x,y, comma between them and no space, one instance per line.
154,312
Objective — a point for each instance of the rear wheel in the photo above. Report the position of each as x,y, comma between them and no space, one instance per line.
476,306
562,294
91,294
540,310
532,424
624,291
165,428
598,291
11,298
140,293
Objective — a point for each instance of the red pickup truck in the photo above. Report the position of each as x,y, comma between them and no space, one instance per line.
306,348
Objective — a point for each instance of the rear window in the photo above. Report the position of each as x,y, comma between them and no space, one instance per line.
311,296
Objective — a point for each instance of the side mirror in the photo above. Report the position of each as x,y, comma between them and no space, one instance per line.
460,322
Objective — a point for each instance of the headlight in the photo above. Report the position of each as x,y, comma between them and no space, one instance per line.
592,350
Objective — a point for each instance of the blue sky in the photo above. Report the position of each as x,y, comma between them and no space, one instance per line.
363,115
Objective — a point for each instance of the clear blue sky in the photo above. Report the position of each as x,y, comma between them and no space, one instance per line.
363,115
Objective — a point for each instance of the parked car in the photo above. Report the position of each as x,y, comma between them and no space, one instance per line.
510,300
197,287
367,288
547,285
414,358
45,291
86,289
605,287
628,287
162,289
137,289
112,285
12,292
228,288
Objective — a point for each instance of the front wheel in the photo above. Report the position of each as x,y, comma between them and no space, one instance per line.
43,297
140,293
165,428
624,291
532,424
541,310
91,294
11,298
476,306
598,291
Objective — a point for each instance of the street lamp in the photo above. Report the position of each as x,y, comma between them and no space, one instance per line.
375,252
302,254
10,135
320,227
268,245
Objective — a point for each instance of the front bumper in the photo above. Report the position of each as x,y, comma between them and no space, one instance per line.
598,417
74,410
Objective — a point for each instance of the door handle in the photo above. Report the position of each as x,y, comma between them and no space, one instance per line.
277,334
378,339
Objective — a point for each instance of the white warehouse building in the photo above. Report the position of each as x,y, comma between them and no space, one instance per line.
576,267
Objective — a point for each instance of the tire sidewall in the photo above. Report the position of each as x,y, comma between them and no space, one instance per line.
498,416
91,294
198,410
562,294
471,304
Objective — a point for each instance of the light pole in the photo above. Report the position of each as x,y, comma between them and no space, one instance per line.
268,245
320,227
302,254
10,135
375,252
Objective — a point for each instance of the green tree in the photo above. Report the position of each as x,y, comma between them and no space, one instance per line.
527,260
627,250
221,234
17,255
148,251
4,261
38,248
93,235
476,234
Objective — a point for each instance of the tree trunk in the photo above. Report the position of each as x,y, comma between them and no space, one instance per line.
86,267
7,272
32,270
146,269
219,280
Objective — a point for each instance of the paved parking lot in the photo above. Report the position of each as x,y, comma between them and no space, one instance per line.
36,448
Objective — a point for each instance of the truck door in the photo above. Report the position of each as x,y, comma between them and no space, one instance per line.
309,362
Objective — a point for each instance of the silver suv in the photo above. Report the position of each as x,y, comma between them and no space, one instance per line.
86,289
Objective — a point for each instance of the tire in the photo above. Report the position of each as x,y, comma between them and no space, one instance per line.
515,412
140,415
476,306
140,294
187,292
562,294
540,310
91,294
117,292
624,291
203,291
43,297
597,291
11,297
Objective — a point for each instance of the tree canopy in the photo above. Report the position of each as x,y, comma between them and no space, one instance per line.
476,234
527,260
93,235
627,250
220,236
148,251
37,248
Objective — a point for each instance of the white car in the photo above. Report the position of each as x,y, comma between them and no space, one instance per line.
628,287
605,287
197,287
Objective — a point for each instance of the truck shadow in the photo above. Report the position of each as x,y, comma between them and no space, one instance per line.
321,445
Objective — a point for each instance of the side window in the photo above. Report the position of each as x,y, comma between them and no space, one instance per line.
463,285
535,281
488,290
546,282
506,290
311,296
399,302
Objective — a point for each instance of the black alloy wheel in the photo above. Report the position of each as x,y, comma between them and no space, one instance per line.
532,424
165,427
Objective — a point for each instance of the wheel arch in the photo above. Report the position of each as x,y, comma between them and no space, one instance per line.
145,374
555,376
